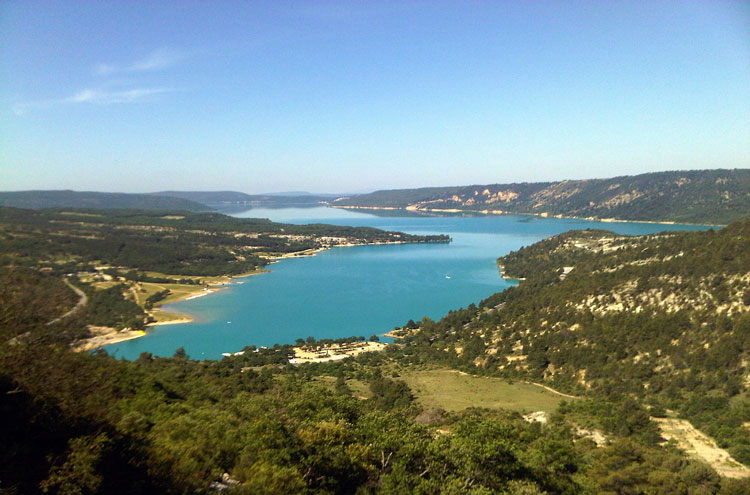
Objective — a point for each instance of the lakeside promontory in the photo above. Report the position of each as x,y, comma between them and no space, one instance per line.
699,196
128,263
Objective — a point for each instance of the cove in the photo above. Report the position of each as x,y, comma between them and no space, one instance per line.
361,290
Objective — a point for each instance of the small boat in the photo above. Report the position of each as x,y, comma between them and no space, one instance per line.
447,276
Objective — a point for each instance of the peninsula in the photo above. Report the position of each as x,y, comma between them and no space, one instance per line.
128,263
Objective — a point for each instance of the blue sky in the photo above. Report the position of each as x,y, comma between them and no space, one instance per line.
355,96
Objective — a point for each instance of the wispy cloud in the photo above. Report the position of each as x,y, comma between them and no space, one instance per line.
93,96
117,87
156,60
101,96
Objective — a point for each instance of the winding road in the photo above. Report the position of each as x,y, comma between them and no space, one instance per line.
84,299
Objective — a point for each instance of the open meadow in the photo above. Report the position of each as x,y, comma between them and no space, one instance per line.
454,391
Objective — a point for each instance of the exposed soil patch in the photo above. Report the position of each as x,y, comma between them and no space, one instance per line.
701,446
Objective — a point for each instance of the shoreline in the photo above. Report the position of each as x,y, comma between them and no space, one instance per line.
176,321
99,341
115,337
400,333
506,277
307,253
414,209
217,285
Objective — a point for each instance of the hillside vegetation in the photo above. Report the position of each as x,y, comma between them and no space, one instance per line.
634,326
85,199
380,422
661,318
129,261
86,423
172,242
703,196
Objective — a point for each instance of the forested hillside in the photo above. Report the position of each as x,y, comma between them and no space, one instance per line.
662,318
703,196
171,242
84,199
122,259
87,423
254,424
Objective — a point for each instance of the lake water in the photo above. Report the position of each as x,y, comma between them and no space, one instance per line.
360,290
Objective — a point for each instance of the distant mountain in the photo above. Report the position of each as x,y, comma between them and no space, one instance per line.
702,196
85,199
207,196
272,199
302,193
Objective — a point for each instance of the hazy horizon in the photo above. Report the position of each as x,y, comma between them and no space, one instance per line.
346,98
319,193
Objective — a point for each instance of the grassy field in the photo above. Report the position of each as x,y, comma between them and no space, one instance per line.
208,280
176,291
454,391
162,316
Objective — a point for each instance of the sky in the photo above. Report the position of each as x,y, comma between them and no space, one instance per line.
342,97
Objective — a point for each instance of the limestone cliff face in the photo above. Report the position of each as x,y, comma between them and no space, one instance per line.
709,196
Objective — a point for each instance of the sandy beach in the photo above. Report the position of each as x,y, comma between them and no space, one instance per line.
299,254
199,294
176,321
103,339
106,335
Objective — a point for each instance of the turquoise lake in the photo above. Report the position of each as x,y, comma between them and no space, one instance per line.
362,290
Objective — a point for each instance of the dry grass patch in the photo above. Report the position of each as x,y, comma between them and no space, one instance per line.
454,392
